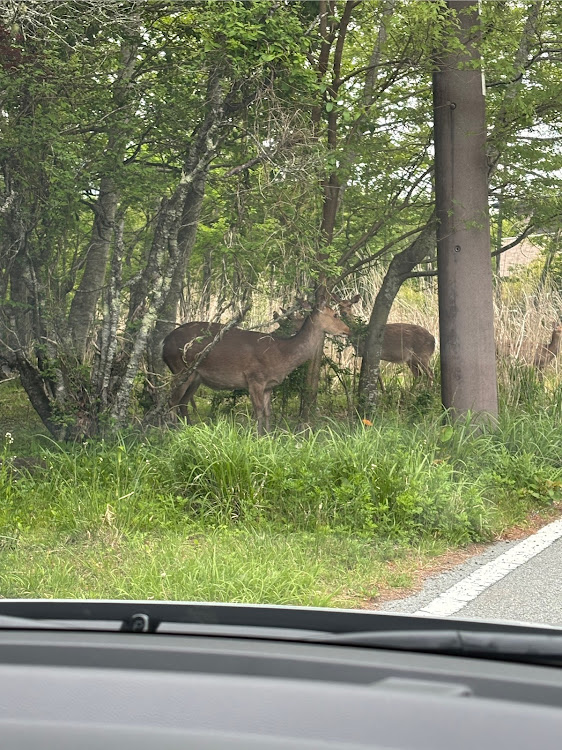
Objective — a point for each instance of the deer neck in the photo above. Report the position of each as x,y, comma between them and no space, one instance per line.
301,347
554,345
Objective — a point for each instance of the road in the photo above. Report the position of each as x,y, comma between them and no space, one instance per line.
519,581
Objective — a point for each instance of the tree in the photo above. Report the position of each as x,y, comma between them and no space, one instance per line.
172,82
159,159
466,313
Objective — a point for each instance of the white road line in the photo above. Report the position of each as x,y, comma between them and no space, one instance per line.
463,592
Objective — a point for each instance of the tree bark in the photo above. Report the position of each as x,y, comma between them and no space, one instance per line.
466,313
85,300
398,271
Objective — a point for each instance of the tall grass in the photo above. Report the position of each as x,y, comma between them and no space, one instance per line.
216,513
393,480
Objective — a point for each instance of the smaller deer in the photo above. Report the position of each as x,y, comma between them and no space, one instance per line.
545,353
288,325
402,342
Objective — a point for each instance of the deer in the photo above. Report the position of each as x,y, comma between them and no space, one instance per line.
195,331
538,356
288,325
245,360
545,353
402,342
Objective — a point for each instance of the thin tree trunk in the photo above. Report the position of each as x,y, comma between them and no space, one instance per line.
332,189
111,308
504,117
85,300
153,288
186,241
86,297
398,271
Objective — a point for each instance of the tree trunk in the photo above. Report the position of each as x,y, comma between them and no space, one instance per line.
331,185
398,271
466,313
186,240
85,300
162,278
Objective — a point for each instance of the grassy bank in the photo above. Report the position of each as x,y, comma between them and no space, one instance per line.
214,513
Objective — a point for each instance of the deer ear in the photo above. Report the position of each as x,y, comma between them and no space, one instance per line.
335,297
355,300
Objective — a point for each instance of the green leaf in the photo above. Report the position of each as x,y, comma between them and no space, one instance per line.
446,434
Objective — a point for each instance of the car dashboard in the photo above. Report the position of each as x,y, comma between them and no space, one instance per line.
105,688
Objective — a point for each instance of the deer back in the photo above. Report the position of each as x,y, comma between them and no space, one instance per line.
404,342
186,342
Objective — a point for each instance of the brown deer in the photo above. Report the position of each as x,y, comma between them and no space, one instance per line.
292,323
248,360
402,342
545,353
289,324
526,352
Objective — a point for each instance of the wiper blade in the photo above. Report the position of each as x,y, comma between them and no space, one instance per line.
490,645
10,622
348,627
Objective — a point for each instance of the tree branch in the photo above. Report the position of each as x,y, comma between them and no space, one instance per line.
525,233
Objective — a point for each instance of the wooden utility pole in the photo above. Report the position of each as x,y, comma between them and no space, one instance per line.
466,312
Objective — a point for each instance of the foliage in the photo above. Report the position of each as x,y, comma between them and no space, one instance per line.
244,114
395,481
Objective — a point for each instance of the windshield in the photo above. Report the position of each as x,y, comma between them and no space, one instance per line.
281,304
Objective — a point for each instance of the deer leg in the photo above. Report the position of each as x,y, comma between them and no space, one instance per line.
182,393
189,394
381,384
414,367
267,409
420,366
193,406
176,397
257,396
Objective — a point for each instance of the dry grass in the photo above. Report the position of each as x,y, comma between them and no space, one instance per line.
524,321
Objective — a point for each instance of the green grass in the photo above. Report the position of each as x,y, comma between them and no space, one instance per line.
219,565
212,512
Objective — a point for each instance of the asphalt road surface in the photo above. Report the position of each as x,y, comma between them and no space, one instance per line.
518,581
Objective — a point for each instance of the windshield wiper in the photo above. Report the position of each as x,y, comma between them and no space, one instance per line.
11,622
539,644
490,645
